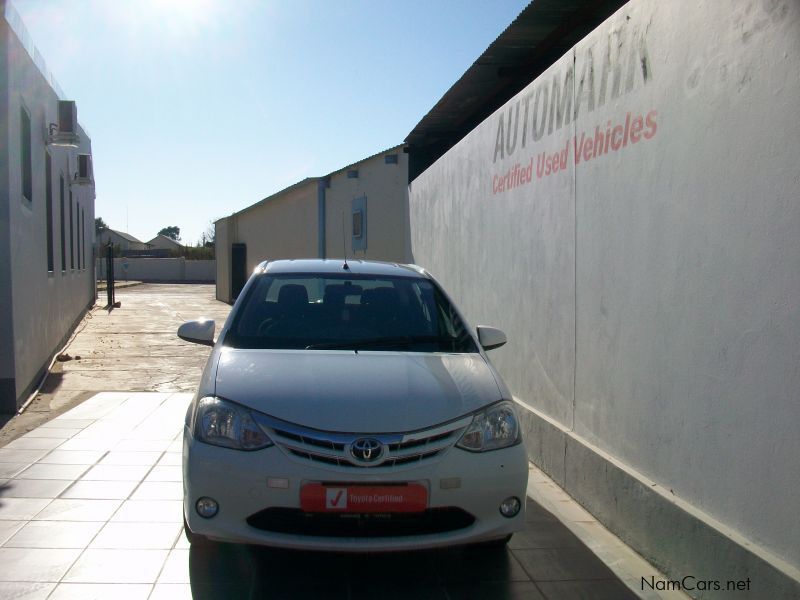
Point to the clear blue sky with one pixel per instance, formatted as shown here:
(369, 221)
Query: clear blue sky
(198, 108)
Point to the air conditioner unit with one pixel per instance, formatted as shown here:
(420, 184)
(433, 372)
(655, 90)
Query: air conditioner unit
(67, 117)
(84, 174)
(65, 132)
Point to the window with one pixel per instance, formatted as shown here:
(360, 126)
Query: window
(358, 209)
(71, 234)
(63, 230)
(363, 312)
(83, 229)
(78, 223)
(48, 195)
(25, 154)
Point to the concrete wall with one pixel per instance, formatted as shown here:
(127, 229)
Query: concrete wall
(44, 306)
(283, 227)
(650, 289)
(223, 236)
(200, 270)
(7, 369)
(384, 187)
(160, 269)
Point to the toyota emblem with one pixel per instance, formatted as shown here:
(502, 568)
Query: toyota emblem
(367, 450)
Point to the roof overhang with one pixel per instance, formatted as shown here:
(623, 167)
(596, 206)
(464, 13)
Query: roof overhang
(543, 32)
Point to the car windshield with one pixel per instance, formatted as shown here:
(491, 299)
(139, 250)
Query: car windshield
(347, 312)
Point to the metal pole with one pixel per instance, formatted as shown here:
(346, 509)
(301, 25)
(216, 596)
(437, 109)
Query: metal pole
(110, 275)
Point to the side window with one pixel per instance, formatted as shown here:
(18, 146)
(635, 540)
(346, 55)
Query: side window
(449, 321)
(63, 223)
(273, 295)
(255, 310)
(25, 154)
(358, 234)
(71, 234)
(78, 236)
(425, 307)
(48, 195)
(83, 229)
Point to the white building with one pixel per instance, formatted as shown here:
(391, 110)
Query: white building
(46, 215)
(360, 210)
(124, 241)
(630, 215)
(162, 242)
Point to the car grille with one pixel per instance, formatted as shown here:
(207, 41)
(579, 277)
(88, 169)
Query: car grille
(333, 448)
(295, 521)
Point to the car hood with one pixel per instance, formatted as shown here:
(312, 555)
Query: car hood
(365, 392)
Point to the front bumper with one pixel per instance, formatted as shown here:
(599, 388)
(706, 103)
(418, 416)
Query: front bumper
(238, 482)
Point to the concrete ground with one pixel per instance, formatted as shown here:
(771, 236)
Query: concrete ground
(90, 507)
(90, 495)
(131, 348)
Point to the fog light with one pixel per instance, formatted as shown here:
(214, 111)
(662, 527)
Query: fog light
(510, 507)
(206, 507)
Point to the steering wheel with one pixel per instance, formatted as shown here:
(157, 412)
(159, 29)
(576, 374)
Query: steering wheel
(282, 326)
(263, 328)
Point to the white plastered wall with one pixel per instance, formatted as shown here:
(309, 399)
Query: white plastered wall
(45, 305)
(385, 188)
(650, 292)
(285, 226)
(7, 370)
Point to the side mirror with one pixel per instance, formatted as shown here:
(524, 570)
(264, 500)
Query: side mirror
(490, 338)
(198, 332)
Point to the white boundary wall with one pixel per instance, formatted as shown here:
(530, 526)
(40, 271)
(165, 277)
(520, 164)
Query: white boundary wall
(160, 269)
(651, 289)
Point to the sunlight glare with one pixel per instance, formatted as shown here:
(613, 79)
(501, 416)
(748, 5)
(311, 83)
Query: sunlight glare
(187, 17)
(177, 20)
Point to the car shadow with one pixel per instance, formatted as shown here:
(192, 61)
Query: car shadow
(223, 571)
(4, 487)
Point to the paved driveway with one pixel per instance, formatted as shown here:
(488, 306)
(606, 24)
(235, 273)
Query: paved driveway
(90, 501)
(134, 347)
(131, 348)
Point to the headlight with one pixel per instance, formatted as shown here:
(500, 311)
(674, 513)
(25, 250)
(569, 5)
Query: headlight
(491, 429)
(222, 423)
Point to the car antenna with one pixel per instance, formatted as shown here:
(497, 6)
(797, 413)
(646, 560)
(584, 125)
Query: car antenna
(345, 266)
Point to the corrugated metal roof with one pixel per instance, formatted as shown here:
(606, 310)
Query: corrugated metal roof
(543, 32)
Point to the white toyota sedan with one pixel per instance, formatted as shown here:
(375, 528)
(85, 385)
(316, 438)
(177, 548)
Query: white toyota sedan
(347, 405)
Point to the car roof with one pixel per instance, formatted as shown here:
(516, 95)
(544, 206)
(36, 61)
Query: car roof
(336, 266)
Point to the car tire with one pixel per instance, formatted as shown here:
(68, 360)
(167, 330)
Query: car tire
(194, 539)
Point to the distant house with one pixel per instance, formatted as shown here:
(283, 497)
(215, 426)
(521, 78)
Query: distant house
(164, 243)
(125, 241)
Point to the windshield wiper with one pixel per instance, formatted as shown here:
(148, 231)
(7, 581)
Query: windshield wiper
(384, 341)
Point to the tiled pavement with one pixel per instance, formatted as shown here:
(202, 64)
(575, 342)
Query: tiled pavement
(90, 507)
